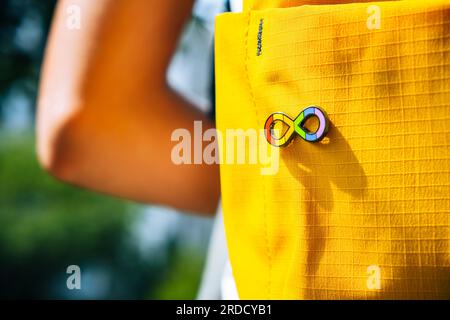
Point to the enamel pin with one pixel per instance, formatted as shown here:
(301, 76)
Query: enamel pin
(281, 138)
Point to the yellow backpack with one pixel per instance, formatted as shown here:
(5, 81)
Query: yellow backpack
(364, 213)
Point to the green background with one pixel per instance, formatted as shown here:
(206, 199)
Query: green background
(45, 225)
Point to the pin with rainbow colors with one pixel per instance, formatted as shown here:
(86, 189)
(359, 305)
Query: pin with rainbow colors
(282, 139)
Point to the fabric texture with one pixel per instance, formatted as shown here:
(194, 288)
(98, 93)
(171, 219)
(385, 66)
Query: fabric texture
(363, 214)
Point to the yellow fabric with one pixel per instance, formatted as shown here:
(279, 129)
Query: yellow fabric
(376, 192)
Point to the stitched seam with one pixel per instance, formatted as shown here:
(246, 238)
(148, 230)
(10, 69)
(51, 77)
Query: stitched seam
(247, 73)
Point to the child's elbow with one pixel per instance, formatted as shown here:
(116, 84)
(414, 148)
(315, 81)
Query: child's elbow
(55, 146)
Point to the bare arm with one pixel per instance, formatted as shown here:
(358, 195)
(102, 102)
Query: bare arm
(105, 114)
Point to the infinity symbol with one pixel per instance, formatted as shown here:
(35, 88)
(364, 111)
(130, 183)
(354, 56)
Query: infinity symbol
(296, 126)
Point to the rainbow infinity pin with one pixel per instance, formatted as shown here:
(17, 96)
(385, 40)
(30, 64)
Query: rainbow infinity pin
(296, 126)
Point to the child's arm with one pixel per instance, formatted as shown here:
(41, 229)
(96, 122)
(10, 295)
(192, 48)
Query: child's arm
(106, 115)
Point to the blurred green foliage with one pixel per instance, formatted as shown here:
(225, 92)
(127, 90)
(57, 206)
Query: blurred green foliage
(182, 279)
(24, 25)
(46, 226)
